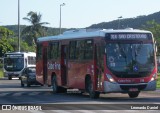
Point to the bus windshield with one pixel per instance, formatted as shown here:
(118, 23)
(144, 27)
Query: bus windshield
(13, 64)
(130, 60)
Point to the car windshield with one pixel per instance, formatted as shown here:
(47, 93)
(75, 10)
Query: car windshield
(124, 59)
(13, 64)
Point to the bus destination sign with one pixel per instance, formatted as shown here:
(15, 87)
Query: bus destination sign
(14, 55)
(128, 36)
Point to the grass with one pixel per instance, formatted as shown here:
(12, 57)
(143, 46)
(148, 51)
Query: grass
(1, 73)
(158, 81)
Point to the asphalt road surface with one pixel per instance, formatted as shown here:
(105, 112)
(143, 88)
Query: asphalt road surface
(35, 98)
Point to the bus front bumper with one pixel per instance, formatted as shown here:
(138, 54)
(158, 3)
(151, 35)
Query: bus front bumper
(124, 88)
(11, 74)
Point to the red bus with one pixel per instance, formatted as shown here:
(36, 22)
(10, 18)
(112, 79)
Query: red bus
(98, 61)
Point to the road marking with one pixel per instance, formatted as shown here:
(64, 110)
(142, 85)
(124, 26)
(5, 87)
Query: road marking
(34, 111)
(18, 94)
(87, 111)
(4, 94)
(60, 111)
(48, 93)
(34, 93)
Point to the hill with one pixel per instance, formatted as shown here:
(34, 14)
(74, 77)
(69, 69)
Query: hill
(135, 23)
(50, 31)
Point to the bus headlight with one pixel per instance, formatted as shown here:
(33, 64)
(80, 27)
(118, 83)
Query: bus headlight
(154, 77)
(110, 78)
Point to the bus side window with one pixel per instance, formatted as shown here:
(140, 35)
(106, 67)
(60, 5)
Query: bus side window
(89, 49)
(39, 51)
(72, 50)
(84, 49)
(54, 50)
(80, 49)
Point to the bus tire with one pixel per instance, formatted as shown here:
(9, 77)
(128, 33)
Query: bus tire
(93, 94)
(55, 87)
(133, 94)
(10, 78)
(28, 84)
(54, 84)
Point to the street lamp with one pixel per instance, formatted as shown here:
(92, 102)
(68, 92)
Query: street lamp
(119, 21)
(19, 25)
(60, 18)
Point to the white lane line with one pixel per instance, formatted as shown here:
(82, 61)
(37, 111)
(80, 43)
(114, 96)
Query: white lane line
(34, 93)
(34, 111)
(4, 94)
(18, 94)
(60, 111)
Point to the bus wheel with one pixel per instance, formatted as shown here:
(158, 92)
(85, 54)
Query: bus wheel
(54, 84)
(92, 93)
(133, 94)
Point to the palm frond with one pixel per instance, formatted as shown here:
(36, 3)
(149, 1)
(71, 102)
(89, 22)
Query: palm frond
(28, 19)
(36, 29)
(26, 30)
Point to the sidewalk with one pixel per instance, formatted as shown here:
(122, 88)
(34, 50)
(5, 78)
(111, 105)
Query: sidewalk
(157, 90)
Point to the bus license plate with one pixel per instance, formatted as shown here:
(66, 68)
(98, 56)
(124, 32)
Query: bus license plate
(133, 89)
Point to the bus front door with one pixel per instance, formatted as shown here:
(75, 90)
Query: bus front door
(45, 65)
(64, 63)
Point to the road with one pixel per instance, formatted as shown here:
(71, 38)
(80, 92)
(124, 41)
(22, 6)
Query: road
(11, 93)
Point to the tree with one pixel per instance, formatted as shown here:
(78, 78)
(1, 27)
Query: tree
(4, 32)
(36, 29)
(24, 45)
(5, 46)
(154, 27)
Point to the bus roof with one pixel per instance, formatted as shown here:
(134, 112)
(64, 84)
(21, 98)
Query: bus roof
(33, 53)
(83, 33)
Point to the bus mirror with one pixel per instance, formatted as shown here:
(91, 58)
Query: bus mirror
(155, 46)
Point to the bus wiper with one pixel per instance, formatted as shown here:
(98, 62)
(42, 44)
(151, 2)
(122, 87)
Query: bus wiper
(137, 49)
(122, 51)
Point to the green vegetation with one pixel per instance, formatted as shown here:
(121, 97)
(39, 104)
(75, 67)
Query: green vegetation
(1, 73)
(158, 81)
(1, 70)
(29, 34)
(35, 30)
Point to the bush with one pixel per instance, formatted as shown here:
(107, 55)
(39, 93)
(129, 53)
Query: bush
(1, 65)
(158, 81)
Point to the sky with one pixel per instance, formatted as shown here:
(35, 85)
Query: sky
(76, 13)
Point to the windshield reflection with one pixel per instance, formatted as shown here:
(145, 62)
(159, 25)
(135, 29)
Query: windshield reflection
(130, 58)
(13, 64)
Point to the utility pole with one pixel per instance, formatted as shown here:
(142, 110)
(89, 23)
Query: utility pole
(60, 18)
(19, 25)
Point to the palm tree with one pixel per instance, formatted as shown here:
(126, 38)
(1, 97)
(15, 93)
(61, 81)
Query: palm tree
(35, 29)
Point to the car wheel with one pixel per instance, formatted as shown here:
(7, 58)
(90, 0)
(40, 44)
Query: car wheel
(28, 84)
(22, 84)
(10, 78)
